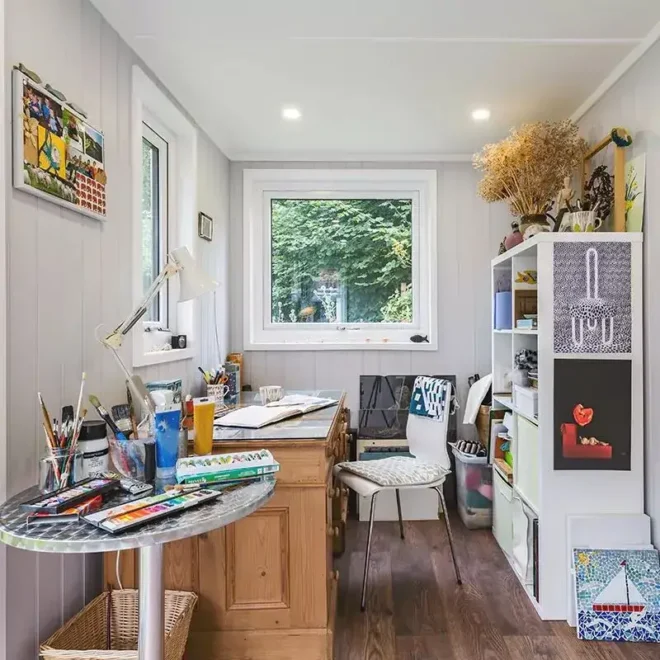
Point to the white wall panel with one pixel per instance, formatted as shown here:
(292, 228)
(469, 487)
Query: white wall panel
(469, 232)
(67, 274)
(633, 102)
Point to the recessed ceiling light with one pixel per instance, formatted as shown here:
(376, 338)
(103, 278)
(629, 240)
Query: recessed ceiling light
(481, 114)
(291, 113)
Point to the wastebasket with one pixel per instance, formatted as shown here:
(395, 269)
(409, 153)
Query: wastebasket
(474, 486)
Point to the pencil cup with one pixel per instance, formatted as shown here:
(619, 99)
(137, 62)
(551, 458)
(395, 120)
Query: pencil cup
(218, 394)
(59, 469)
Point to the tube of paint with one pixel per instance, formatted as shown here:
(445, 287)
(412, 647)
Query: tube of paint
(166, 431)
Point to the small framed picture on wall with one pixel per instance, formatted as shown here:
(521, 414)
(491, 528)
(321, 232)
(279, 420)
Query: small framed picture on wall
(205, 227)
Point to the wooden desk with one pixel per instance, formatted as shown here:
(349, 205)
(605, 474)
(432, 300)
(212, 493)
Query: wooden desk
(266, 584)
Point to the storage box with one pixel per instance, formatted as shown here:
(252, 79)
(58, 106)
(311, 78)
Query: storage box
(474, 487)
(88, 630)
(526, 400)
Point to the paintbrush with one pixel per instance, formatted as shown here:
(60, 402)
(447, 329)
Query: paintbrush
(131, 407)
(80, 396)
(48, 427)
(73, 447)
(105, 416)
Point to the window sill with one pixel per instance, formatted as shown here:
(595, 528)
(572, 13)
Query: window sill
(340, 346)
(162, 357)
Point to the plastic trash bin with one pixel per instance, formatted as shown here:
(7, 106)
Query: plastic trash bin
(474, 486)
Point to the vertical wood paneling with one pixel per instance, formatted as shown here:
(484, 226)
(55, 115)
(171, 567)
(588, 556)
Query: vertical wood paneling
(467, 228)
(633, 103)
(68, 274)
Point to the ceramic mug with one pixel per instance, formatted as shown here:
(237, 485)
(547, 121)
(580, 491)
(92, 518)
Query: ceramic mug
(583, 221)
(270, 393)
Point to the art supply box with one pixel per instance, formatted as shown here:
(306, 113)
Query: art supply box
(226, 467)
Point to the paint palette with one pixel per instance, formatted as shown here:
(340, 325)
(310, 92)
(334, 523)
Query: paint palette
(66, 498)
(147, 509)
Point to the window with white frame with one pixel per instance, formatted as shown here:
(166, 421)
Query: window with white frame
(340, 258)
(154, 220)
(164, 159)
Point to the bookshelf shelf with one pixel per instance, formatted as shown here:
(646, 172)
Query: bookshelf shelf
(535, 496)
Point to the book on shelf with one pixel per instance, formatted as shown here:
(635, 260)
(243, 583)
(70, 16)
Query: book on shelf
(292, 405)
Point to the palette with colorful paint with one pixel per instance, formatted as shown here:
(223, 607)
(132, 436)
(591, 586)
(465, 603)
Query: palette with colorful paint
(147, 509)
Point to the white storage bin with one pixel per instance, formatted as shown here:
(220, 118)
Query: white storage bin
(502, 513)
(526, 400)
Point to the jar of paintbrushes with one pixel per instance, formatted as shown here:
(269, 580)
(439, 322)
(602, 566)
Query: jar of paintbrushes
(59, 468)
(62, 464)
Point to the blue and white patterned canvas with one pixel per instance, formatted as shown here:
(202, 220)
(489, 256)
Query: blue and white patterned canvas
(618, 595)
(429, 398)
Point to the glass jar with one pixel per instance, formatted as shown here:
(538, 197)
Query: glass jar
(59, 468)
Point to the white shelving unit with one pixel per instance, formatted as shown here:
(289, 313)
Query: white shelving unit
(538, 492)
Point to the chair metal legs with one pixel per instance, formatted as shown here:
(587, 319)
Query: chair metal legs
(363, 601)
(443, 504)
(398, 506)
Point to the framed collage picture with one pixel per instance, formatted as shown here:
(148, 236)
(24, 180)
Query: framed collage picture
(58, 155)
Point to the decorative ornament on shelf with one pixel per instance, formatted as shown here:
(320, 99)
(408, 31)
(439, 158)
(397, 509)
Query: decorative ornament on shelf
(599, 193)
(528, 168)
(514, 238)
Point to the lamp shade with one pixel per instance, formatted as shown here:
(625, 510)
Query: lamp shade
(193, 281)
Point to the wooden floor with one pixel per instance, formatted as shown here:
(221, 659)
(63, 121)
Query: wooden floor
(416, 611)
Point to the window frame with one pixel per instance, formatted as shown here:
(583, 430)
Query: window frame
(161, 145)
(151, 106)
(260, 187)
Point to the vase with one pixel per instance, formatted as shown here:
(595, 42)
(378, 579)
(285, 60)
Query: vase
(514, 238)
(533, 224)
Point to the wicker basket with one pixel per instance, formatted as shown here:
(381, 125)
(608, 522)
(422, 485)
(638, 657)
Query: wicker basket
(87, 632)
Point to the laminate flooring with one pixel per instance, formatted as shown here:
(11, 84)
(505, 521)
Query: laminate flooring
(416, 611)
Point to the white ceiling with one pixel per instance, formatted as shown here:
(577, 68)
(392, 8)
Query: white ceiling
(380, 78)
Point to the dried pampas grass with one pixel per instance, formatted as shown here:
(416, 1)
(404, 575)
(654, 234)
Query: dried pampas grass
(528, 167)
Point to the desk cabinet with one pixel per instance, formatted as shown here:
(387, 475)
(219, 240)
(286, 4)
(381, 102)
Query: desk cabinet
(266, 584)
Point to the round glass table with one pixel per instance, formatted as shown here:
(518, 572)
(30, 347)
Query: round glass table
(79, 537)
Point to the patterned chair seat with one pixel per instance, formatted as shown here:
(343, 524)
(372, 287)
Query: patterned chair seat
(396, 471)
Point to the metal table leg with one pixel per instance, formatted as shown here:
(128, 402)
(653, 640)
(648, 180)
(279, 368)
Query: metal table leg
(152, 633)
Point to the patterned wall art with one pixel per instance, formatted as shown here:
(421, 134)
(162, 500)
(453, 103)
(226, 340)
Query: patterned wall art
(592, 299)
(58, 155)
(593, 414)
(618, 595)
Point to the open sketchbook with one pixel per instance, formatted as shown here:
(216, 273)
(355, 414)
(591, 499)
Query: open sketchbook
(254, 417)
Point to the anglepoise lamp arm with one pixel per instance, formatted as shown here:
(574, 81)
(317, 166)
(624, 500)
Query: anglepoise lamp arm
(194, 282)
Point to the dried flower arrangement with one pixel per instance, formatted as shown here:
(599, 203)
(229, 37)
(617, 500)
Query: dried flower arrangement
(528, 167)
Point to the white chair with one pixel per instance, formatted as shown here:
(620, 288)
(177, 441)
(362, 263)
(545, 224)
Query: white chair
(427, 439)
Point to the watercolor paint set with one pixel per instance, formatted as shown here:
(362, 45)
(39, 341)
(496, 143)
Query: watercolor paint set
(72, 514)
(66, 498)
(147, 509)
(226, 467)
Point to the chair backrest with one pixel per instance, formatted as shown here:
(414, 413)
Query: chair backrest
(427, 437)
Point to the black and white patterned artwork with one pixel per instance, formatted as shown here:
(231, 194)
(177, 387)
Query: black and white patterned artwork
(592, 306)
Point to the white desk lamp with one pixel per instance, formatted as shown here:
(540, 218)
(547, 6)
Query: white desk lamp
(193, 282)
